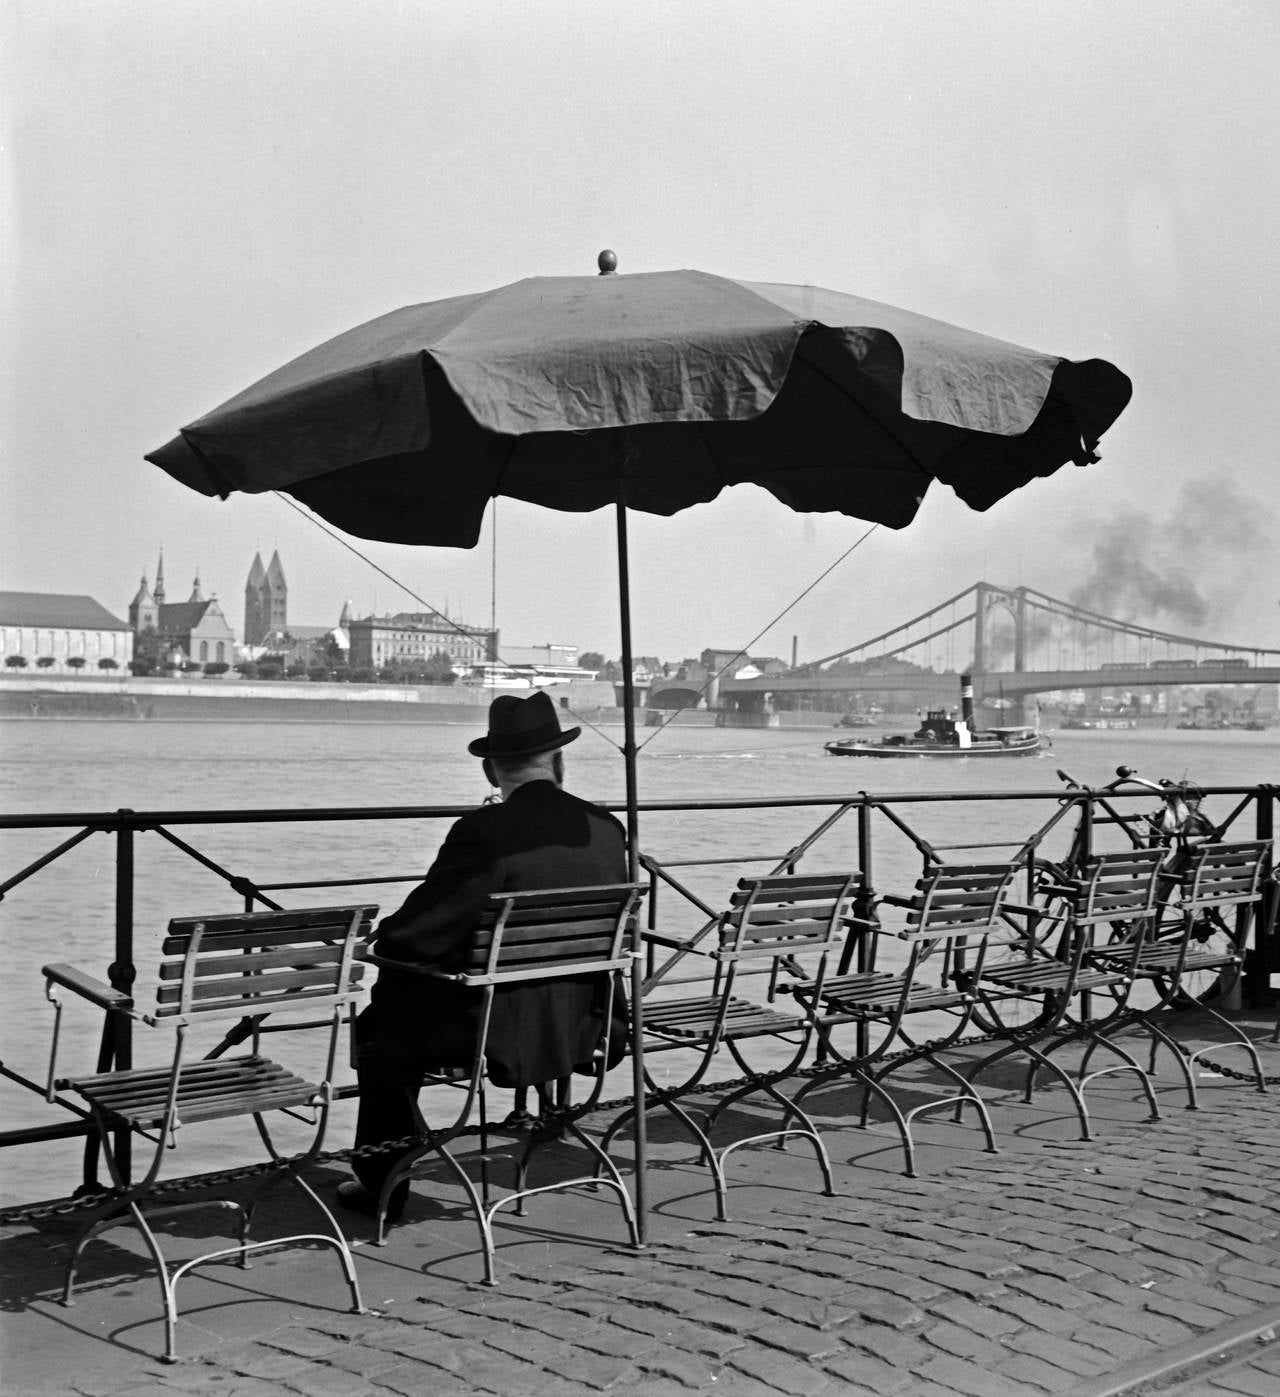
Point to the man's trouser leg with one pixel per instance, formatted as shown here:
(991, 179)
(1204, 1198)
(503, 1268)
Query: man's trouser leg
(388, 1092)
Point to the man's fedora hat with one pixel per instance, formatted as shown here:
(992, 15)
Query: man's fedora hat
(521, 728)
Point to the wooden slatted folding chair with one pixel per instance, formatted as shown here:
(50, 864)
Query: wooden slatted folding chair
(521, 938)
(1194, 937)
(949, 919)
(1053, 968)
(770, 925)
(214, 969)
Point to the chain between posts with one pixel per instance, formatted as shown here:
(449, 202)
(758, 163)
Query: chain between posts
(36, 1212)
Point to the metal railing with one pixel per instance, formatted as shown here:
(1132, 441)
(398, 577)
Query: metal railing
(1088, 812)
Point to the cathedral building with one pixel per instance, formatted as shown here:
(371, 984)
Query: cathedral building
(192, 630)
(268, 630)
(266, 601)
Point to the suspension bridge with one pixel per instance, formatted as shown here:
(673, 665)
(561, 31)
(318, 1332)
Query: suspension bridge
(1016, 642)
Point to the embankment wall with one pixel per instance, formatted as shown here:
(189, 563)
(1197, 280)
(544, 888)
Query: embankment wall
(264, 701)
(294, 701)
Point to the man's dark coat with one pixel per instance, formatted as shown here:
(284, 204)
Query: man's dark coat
(539, 837)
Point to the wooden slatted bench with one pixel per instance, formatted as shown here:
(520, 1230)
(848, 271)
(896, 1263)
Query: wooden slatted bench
(243, 967)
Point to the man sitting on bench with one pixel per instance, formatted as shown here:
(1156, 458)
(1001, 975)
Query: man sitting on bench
(539, 836)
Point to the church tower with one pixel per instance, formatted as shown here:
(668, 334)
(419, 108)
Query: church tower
(160, 581)
(143, 611)
(277, 596)
(255, 609)
(266, 600)
(195, 590)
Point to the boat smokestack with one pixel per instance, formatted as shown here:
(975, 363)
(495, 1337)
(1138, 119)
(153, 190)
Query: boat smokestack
(966, 699)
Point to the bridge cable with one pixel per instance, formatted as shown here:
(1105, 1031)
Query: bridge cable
(676, 712)
(404, 587)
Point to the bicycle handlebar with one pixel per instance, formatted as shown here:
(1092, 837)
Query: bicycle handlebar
(1125, 775)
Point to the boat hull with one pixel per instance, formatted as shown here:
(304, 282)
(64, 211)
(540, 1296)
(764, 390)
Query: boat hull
(924, 749)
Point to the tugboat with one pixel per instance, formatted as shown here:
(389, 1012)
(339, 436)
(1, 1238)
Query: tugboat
(943, 735)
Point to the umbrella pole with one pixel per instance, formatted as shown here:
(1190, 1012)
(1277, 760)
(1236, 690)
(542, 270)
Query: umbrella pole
(628, 699)
(633, 871)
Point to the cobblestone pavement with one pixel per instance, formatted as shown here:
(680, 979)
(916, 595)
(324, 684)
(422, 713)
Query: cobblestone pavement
(1144, 1262)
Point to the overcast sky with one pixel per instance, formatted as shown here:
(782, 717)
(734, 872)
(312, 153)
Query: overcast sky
(197, 190)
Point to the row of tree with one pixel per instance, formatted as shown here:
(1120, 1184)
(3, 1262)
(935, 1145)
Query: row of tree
(47, 661)
(437, 670)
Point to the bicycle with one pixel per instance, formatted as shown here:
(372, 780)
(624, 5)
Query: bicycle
(1178, 825)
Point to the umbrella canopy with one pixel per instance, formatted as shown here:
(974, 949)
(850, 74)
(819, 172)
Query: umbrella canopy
(655, 390)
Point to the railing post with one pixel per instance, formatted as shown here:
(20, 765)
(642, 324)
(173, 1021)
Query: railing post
(863, 903)
(1086, 851)
(117, 1032)
(651, 916)
(863, 907)
(1265, 956)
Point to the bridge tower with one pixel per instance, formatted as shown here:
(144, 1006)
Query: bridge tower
(980, 627)
(986, 598)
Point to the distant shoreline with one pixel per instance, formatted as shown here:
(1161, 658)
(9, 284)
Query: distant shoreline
(163, 701)
(91, 699)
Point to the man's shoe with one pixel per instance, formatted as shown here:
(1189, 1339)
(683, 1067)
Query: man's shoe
(352, 1194)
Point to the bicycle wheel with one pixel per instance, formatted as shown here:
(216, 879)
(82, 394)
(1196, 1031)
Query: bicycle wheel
(1012, 1013)
(1209, 934)
(997, 1012)
(1119, 943)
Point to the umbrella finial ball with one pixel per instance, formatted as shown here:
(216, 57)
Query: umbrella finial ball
(607, 262)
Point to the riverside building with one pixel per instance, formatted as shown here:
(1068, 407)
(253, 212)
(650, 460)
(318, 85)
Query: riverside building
(50, 629)
(413, 637)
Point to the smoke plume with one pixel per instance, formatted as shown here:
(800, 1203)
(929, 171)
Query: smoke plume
(1174, 571)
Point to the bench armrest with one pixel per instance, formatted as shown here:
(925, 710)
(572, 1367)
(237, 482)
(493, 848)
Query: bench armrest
(675, 943)
(409, 967)
(97, 991)
(1044, 913)
(1048, 886)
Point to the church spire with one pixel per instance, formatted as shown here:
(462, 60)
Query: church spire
(159, 592)
(195, 590)
(277, 595)
(142, 609)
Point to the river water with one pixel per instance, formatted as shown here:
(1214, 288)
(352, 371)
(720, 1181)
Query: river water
(66, 911)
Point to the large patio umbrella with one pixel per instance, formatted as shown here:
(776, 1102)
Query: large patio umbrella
(653, 392)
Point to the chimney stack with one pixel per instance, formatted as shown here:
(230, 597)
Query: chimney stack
(966, 699)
